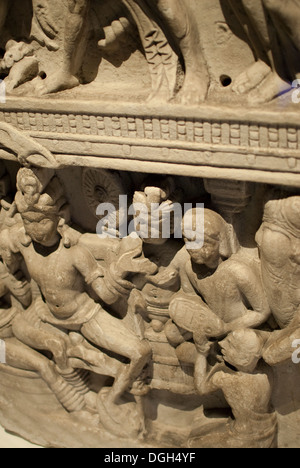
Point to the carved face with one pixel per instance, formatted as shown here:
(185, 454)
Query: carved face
(42, 230)
(241, 349)
(208, 254)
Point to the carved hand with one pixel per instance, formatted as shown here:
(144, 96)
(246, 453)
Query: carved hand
(192, 314)
(164, 278)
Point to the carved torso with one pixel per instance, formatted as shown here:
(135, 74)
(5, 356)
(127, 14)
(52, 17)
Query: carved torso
(281, 273)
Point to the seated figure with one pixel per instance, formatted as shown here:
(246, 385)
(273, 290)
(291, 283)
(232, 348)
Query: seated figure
(220, 292)
(247, 386)
(65, 272)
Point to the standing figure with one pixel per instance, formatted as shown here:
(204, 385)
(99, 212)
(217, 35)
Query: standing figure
(176, 17)
(272, 28)
(278, 240)
(180, 21)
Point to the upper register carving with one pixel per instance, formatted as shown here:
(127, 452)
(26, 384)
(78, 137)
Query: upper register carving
(152, 107)
(170, 34)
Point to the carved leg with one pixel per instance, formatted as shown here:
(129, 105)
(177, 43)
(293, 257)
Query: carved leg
(288, 12)
(250, 14)
(185, 29)
(40, 339)
(22, 357)
(109, 333)
(65, 78)
(278, 348)
(264, 83)
(83, 355)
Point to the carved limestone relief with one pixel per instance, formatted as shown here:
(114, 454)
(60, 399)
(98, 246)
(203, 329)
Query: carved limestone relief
(149, 223)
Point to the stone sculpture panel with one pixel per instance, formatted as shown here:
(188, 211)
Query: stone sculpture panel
(149, 223)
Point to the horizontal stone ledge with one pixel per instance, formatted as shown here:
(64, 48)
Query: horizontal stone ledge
(90, 142)
(173, 168)
(268, 114)
(151, 167)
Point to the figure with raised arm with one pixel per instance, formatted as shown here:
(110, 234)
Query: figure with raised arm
(246, 382)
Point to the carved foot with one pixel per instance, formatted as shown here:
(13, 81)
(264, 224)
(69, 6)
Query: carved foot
(271, 88)
(121, 420)
(56, 82)
(251, 77)
(192, 93)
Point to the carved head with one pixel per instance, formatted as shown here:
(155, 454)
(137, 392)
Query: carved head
(215, 243)
(242, 349)
(42, 205)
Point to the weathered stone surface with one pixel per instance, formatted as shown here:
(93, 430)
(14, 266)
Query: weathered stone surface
(149, 224)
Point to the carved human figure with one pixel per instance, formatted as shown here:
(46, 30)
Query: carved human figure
(278, 240)
(16, 295)
(64, 271)
(240, 301)
(219, 292)
(176, 17)
(65, 78)
(272, 28)
(21, 356)
(180, 20)
(157, 198)
(247, 388)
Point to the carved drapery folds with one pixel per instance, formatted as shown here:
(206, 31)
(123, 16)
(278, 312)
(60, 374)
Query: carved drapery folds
(149, 265)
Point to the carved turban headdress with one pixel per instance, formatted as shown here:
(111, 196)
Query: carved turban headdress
(40, 195)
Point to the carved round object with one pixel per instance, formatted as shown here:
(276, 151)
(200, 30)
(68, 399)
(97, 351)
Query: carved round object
(102, 186)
